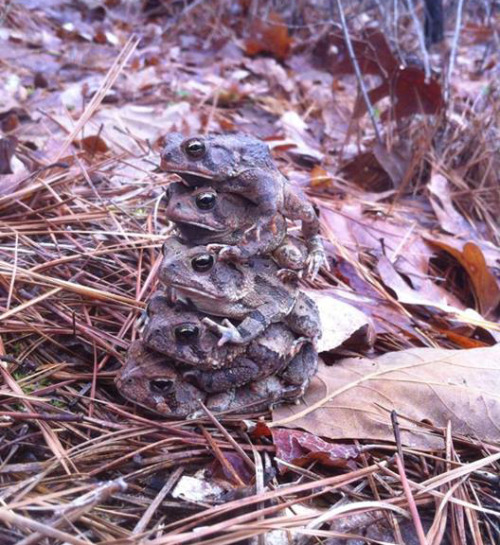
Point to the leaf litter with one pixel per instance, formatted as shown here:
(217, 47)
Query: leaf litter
(410, 305)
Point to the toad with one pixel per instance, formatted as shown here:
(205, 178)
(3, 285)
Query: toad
(242, 164)
(206, 216)
(178, 332)
(150, 380)
(250, 292)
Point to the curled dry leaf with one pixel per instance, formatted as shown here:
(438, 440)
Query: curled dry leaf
(486, 289)
(300, 448)
(354, 398)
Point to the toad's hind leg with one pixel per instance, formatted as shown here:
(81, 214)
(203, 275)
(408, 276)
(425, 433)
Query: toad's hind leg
(302, 367)
(242, 371)
(304, 318)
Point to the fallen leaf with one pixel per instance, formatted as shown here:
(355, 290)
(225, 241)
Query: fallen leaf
(427, 293)
(269, 36)
(407, 86)
(339, 322)
(486, 289)
(394, 161)
(378, 169)
(301, 448)
(94, 144)
(295, 128)
(410, 94)
(371, 49)
(320, 178)
(238, 464)
(449, 218)
(197, 490)
(366, 172)
(354, 398)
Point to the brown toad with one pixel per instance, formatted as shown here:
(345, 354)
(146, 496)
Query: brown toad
(150, 380)
(178, 332)
(242, 164)
(251, 292)
(205, 216)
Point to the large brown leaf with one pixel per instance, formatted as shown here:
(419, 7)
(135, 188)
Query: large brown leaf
(354, 398)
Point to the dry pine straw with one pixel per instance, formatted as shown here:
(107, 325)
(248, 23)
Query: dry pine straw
(75, 273)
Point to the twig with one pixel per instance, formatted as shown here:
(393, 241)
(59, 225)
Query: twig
(41, 416)
(357, 69)
(223, 430)
(421, 40)
(150, 511)
(110, 78)
(411, 502)
(453, 54)
(8, 517)
(399, 457)
(79, 507)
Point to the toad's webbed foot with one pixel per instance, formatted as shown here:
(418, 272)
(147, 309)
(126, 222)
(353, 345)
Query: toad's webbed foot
(228, 332)
(316, 258)
(252, 233)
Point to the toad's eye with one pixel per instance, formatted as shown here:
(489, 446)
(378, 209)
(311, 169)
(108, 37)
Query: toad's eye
(161, 386)
(202, 263)
(195, 148)
(205, 201)
(186, 333)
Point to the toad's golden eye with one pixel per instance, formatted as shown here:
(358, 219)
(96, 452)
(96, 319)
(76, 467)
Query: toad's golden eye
(161, 386)
(186, 333)
(195, 148)
(205, 201)
(202, 263)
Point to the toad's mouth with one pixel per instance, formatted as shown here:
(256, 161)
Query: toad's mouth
(194, 230)
(191, 290)
(190, 178)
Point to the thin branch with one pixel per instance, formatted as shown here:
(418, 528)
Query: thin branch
(421, 40)
(456, 35)
(357, 69)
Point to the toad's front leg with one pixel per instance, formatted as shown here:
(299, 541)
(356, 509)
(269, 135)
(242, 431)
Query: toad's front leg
(297, 207)
(249, 329)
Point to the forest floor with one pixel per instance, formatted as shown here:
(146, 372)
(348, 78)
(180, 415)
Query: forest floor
(408, 195)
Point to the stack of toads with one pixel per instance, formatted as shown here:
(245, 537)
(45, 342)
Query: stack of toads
(231, 327)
